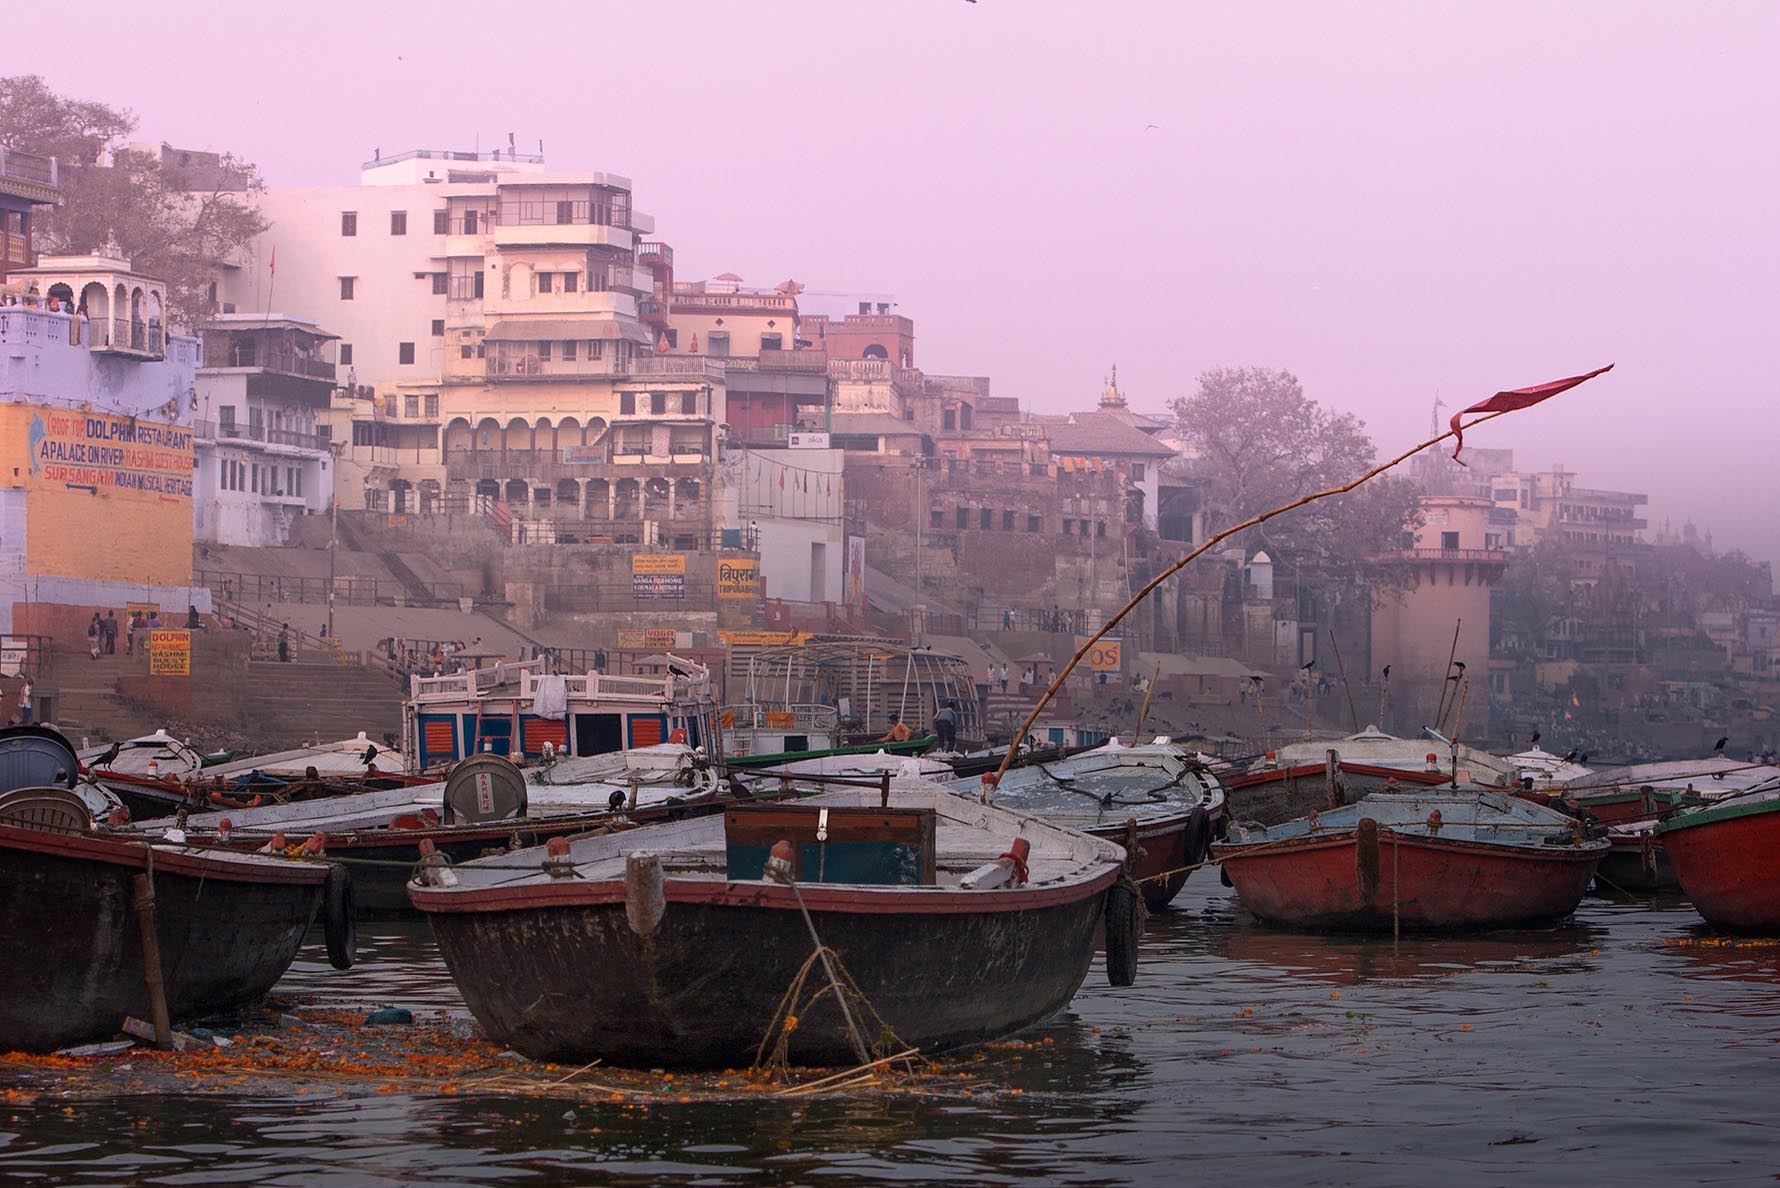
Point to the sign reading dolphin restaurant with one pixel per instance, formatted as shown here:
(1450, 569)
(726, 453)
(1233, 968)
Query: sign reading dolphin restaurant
(105, 452)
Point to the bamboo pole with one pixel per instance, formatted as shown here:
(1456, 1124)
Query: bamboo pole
(1440, 714)
(144, 888)
(1341, 668)
(1215, 539)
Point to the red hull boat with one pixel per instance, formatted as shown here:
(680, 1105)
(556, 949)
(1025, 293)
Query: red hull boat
(1418, 861)
(1726, 857)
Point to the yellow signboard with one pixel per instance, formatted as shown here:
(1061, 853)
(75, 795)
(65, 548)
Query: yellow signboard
(170, 653)
(738, 577)
(635, 639)
(1105, 656)
(763, 639)
(658, 563)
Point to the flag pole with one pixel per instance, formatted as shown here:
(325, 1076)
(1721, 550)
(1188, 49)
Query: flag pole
(1218, 538)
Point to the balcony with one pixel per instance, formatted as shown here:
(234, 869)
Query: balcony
(656, 256)
(651, 310)
(1483, 556)
(520, 235)
(280, 362)
(230, 432)
(693, 302)
(700, 368)
(121, 336)
(24, 175)
(526, 365)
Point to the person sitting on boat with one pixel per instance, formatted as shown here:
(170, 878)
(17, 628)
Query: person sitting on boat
(898, 732)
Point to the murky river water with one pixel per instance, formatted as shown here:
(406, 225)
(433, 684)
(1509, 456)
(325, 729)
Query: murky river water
(1628, 1047)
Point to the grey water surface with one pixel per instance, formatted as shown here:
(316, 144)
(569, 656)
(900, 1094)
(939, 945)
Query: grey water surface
(1629, 1045)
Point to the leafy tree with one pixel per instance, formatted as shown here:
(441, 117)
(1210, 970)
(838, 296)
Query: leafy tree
(176, 222)
(1257, 442)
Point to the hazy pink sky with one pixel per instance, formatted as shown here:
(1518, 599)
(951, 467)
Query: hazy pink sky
(1389, 200)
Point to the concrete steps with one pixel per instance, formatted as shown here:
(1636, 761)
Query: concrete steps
(332, 701)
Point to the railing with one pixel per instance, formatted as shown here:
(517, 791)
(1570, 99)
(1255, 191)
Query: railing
(690, 301)
(218, 431)
(814, 362)
(658, 251)
(699, 367)
(649, 307)
(288, 362)
(447, 155)
(524, 365)
(250, 588)
(1492, 556)
(125, 334)
(29, 167)
(859, 370)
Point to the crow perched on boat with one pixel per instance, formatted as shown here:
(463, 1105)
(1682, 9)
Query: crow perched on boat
(1387, 672)
(1535, 738)
(107, 758)
(370, 754)
(1718, 747)
(614, 802)
(1571, 757)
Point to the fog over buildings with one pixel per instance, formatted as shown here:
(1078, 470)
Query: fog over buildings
(1396, 202)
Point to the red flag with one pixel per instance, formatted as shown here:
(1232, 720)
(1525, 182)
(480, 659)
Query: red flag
(1516, 398)
(661, 342)
(693, 348)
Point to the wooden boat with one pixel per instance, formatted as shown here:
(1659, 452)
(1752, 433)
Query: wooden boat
(1154, 799)
(520, 711)
(1637, 859)
(1423, 860)
(380, 834)
(1725, 858)
(92, 920)
(1645, 791)
(668, 946)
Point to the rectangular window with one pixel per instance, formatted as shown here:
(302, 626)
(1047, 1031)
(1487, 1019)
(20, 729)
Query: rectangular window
(398, 222)
(478, 285)
(256, 478)
(347, 285)
(627, 404)
(438, 327)
(1034, 524)
(469, 222)
(346, 354)
(568, 352)
(404, 352)
(771, 342)
(438, 284)
(1449, 540)
(297, 484)
(411, 406)
(441, 222)
(986, 520)
(466, 351)
(225, 416)
(717, 344)
(544, 351)
(937, 518)
(595, 348)
(432, 406)
(1007, 520)
(658, 403)
(349, 222)
(1137, 472)
(689, 402)
(544, 281)
(570, 281)
(565, 212)
(964, 517)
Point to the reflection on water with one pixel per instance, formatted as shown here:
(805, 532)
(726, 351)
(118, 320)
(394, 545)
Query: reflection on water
(1628, 1045)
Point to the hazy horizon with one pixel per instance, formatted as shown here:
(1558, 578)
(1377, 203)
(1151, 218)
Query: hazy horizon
(1395, 202)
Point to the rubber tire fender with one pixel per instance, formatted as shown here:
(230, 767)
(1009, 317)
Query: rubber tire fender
(1122, 925)
(1198, 836)
(340, 918)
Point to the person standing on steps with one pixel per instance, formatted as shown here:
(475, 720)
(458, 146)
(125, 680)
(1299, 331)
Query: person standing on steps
(284, 643)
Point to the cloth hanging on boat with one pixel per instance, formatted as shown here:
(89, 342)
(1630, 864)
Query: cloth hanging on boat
(550, 698)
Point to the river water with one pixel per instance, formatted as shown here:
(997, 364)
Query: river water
(1628, 1046)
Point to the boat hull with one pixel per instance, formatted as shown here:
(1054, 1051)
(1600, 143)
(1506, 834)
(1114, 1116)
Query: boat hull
(571, 981)
(226, 928)
(1161, 851)
(1419, 882)
(1724, 859)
